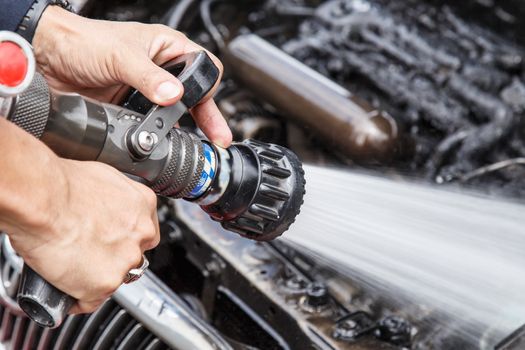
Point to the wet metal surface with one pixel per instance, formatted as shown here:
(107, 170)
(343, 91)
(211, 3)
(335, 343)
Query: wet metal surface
(298, 312)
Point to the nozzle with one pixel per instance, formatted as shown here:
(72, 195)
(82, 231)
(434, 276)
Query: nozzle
(264, 193)
(252, 188)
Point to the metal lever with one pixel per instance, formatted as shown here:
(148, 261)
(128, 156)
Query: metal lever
(156, 126)
(44, 303)
(198, 74)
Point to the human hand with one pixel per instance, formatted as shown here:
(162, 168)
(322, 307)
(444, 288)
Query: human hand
(99, 59)
(81, 225)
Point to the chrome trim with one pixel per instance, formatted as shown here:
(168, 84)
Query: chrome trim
(91, 326)
(164, 313)
(10, 271)
(6, 105)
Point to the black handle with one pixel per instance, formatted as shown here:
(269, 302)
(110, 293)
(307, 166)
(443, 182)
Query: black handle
(42, 302)
(197, 73)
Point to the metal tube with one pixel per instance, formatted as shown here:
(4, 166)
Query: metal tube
(6, 104)
(76, 127)
(165, 314)
(310, 99)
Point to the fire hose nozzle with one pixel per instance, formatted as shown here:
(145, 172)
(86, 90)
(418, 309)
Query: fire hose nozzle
(252, 188)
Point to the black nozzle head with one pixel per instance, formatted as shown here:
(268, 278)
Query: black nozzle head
(265, 192)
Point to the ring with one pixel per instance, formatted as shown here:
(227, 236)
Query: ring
(135, 274)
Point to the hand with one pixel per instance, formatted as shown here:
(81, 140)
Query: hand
(99, 59)
(104, 222)
(81, 225)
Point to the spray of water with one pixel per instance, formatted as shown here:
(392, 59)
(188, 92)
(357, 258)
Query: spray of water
(462, 255)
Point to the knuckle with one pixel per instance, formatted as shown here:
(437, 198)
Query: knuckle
(180, 35)
(146, 201)
(167, 33)
(170, 34)
(149, 232)
(136, 198)
(152, 240)
(156, 240)
(87, 308)
(160, 28)
(151, 198)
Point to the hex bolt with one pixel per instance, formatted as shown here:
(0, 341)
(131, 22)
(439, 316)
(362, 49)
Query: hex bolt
(347, 330)
(214, 267)
(146, 141)
(395, 330)
(295, 283)
(317, 295)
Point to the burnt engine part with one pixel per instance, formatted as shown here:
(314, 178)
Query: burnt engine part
(446, 72)
(455, 88)
(298, 92)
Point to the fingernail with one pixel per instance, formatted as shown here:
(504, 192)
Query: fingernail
(221, 143)
(167, 91)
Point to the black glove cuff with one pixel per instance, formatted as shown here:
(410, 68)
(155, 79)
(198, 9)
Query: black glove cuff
(27, 27)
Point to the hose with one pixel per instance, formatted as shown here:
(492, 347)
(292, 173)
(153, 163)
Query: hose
(177, 13)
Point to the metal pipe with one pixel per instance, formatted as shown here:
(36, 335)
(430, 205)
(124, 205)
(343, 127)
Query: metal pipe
(177, 13)
(6, 104)
(164, 313)
(310, 99)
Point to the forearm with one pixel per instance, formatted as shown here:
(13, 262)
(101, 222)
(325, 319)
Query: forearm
(30, 178)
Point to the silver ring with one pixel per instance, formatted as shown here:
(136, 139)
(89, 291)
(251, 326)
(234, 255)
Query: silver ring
(135, 274)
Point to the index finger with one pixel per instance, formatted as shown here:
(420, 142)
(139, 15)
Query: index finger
(206, 115)
(211, 121)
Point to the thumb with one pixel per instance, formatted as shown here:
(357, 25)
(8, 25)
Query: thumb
(152, 81)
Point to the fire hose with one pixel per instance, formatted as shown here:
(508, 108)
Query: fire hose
(252, 188)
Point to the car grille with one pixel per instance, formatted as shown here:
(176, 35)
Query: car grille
(110, 327)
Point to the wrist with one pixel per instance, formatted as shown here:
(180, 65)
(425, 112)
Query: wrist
(33, 185)
(30, 21)
(56, 27)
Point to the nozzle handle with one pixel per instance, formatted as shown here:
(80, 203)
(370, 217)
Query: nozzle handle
(196, 71)
(41, 301)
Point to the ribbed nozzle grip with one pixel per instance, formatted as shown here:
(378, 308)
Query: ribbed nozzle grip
(32, 107)
(184, 168)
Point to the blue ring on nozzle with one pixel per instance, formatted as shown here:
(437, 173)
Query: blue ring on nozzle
(208, 172)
